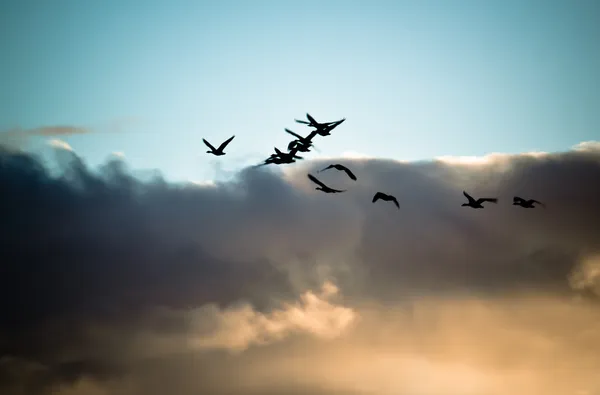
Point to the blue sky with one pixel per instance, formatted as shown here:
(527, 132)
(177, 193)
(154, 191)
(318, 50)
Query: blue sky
(415, 79)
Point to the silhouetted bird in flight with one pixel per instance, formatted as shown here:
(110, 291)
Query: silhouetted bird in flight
(299, 146)
(519, 201)
(281, 158)
(322, 128)
(291, 154)
(386, 197)
(323, 187)
(303, 144)
(477, 203)
(217, 151)
(339, 167)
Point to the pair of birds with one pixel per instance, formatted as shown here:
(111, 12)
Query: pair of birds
(517, 201)
(327, 189)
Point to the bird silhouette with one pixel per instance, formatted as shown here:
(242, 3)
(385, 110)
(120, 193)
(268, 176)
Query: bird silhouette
(519, 201)
(322, 128)
(323, 187)
(303, 143)
(291, 154)
(477, 203)
(217, 151)
(339, 167)
(386, 197)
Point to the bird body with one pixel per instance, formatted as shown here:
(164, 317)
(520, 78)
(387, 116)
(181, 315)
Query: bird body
(323, 187)
(386, 197)
(340, 167)
(217, 151)
(519, 201)
(477, 203)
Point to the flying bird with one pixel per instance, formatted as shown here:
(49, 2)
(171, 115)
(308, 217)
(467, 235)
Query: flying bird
(323, 187)
(519, 201)
(281, 158)
(217, 151)
(291, 154)
(477, 203)
(302, 143)
(322, 128)
(386, 197)
(339, 167)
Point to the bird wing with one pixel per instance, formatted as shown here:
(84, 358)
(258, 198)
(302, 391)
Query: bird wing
(378, 196)
(337, 190)
(518, 199)
(292, 144)
(491, 200)
(471, 200)
(222, 146)
(395, 202)
(316, 181)
(350, 174)
(328, 167)
(311, 119)
(294, 134)
(311, 135)
(301, 121)
(209, 145)
(538, 202)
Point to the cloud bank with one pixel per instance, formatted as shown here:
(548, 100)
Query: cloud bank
(262, 285)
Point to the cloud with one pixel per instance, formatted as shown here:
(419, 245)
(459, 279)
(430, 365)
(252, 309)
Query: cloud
(56, 143)
(18, 137)
(115, 285)
(238, 328)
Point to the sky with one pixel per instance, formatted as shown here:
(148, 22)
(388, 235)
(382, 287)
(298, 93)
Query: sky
(415, 79)
(134, 263)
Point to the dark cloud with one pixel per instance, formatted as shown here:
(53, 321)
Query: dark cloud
(106, 277)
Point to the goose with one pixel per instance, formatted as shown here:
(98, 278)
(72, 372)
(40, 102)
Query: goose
(477, 203)
(217, 151)
(322, 128)
(323, 187)
(339, 167)
(519, 201)
(386, 197)
(307, 141)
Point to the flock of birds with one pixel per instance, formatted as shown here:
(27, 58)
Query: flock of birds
(303, 144)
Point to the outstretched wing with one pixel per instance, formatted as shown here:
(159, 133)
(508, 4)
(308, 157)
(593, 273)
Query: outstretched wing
(316, 181)
(294, 134)
(538, 202)
(518, 199)
(378, 195)
(491, 200)
(222, 146)
(337, 190)
(209, 145)
(471, 200)
(396, 202)
(301, 121)
(327, 168)
(350, 174)
(311, 119)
